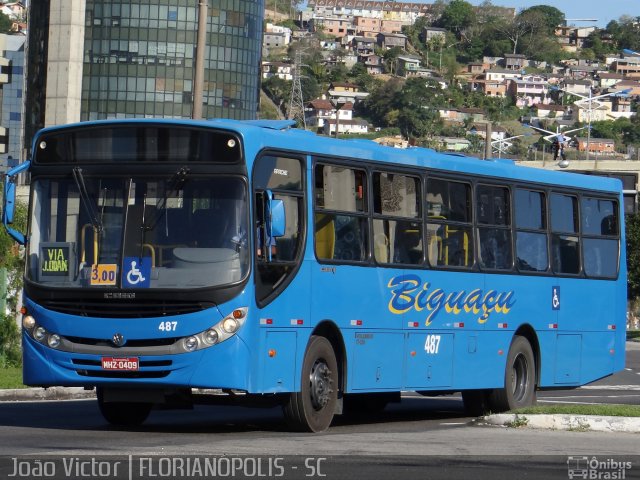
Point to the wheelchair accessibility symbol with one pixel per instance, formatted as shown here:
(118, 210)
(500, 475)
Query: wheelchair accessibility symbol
(136, 272)
(555, 298)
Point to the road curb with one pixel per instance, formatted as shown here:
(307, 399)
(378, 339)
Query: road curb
(51, 393)
(564, 422)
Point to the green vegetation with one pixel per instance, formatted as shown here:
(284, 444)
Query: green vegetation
(599, 410)
(5, 23)
(518, 422)
(633, 334)
(633, 255)
(10, 353)
(11, 377)
(12, 260)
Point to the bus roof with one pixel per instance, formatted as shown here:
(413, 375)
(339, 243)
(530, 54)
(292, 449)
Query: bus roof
(278, 134)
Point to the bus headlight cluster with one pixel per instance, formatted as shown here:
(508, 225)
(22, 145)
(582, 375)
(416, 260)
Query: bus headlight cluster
(39, 333)
(221, 331)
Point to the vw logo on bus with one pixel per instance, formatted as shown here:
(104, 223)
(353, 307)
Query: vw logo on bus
(117, 339)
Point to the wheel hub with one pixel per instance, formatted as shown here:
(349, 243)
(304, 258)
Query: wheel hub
(321, 385)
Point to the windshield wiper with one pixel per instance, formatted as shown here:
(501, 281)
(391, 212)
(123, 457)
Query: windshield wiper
(175, 184)
(95, 220)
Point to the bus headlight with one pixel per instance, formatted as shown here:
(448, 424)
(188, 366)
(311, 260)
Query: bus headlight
(54, 341)
(221, 331)
(39, 333)
(190, 343)
(28, 322)
(211, 336)
(230, 325)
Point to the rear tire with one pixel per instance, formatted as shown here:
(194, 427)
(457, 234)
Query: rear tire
(519, 379)
(124, 414)
(312, 409)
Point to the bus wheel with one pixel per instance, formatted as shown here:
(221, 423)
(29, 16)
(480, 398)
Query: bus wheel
(519, 379)
(312, 408)
(125, 414)
(476, 402)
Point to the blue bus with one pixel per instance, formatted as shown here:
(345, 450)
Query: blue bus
(175, 262)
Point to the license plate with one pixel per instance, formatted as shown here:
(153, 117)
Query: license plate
(127, 364)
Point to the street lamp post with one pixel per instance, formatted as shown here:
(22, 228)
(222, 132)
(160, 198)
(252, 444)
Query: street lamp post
(590, 100)
(501, 142)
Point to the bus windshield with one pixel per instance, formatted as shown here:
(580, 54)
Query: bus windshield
(175, 232)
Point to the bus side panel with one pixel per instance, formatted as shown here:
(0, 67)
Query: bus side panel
(285, 325)
(376, 360)
(587, 312)
(356, 300)
(429, 360)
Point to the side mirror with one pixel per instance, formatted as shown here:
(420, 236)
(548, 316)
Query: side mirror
(9, 202)
(276, 219)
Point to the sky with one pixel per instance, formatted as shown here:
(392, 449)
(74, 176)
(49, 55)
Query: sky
(602, 10)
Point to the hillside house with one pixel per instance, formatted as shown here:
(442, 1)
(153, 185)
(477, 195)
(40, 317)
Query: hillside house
(596, 145)
(354, 126)
(515, 61)
(388, 41)
(317, 112)
(277, 69)
(529, 90)
(628, 66)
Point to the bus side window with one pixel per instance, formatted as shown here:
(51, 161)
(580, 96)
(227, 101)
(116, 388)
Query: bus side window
(341, 222)
(494, 227)
(531, 231)
(449, 229)
(600, 242)
(565, 243)
(397, 225)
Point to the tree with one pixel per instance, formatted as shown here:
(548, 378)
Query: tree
(5, 23)
(381, 101)
(390, 58)
(550, 17)
(522, 24)
(633, 256)
(278, 90)
(457, 16)
(12, 260)
(418, 102)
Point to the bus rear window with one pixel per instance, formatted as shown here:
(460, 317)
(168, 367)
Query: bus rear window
(131, 143)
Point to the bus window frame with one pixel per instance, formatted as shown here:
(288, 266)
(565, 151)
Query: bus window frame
(509, 227)
(365, 215)
(589, 236)
(301, 197)
(419, 218)
(469, 181)
(545, 230)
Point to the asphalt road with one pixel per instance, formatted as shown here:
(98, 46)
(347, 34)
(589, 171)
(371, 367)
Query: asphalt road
(420, 438)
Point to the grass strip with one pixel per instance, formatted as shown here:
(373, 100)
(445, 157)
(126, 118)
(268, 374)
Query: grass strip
(599, 410)
(11, 377)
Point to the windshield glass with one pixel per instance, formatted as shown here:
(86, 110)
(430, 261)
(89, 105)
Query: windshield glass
(178, 232)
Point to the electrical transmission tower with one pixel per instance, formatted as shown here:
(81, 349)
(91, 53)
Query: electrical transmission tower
(296, 103)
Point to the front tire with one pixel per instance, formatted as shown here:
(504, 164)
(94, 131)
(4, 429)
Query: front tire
(123, 414)
(519, 379)
(312, 409)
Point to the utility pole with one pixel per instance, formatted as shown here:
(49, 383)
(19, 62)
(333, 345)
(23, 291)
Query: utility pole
(198, 78)
(296, 102)
(487, 143)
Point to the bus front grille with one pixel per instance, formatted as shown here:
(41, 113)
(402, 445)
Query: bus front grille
(133, 309)
(138, 374)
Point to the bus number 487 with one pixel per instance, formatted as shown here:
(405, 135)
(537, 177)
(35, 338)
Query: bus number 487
(431, 344)
(167, 326)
